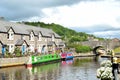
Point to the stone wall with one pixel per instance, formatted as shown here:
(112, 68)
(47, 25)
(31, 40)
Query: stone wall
(4, 62)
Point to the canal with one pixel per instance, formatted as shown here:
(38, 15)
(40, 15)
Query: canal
(82, 68)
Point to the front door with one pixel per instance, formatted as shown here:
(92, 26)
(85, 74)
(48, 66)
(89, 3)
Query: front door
(23, 49)
(43, 49)
(3, 50)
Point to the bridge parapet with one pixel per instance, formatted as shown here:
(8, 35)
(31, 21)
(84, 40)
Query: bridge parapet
(106, 44)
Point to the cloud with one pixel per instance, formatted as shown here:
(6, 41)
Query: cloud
(84, 14)
(23, 9)
(91, 16)
(107, 34)
(92, 29)
(104, 31)
(27, 9)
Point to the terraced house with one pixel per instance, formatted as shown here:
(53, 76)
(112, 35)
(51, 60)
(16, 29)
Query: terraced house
(27, 38)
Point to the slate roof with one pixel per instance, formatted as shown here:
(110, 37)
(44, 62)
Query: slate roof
(50, 43)
(19, 42)
(25, 29)
(1, 43)
(61, 43)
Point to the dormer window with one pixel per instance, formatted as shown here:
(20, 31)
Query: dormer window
(45, 39)
(31, 36)
(53, 38)
(10, 34)
(23, 37)
(39, 37)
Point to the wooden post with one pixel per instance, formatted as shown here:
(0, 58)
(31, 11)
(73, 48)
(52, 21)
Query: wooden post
(29, 63)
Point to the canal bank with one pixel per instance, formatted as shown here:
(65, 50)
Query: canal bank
(32, 60)
(29, 60)
(84, 55)
(8, 62)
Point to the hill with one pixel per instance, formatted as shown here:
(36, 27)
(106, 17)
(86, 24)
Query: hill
(68, 35)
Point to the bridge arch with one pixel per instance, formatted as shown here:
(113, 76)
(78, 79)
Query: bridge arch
(95, 50)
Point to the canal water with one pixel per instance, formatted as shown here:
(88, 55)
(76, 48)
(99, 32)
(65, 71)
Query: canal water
(82, 68)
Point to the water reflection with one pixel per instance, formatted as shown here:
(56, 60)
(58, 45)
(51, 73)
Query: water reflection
(76, 69)
(81, 69)
(67, 62)
(44, 72)
(13, 73)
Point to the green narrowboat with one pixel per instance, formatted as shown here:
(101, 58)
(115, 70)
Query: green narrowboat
(42, 59)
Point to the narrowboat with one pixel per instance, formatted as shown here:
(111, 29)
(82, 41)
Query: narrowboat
(42, 59)
(66, 55)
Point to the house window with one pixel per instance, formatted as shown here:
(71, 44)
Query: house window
(53, 38)
(10, 35)
(49, 39)
(45, 39)
(11, 48)
(22, 37)
(57, 40)
(39, 48)
(31, 36)
(32, 48)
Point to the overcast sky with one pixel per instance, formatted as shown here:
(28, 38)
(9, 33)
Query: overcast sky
(98, 17)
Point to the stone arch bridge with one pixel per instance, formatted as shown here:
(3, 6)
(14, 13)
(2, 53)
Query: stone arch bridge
(106, 44)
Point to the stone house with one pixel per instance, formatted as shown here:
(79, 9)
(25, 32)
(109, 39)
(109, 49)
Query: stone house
(28, 38)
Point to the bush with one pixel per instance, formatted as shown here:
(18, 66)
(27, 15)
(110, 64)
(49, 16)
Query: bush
(105, 71)
(79, 48)
(83, 49)
(17, 52)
